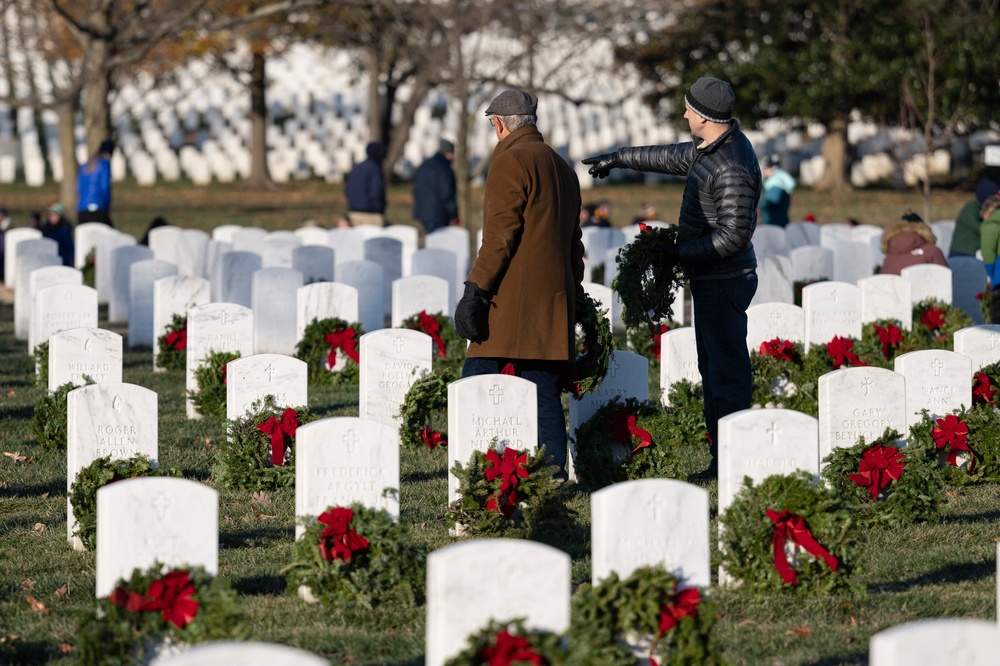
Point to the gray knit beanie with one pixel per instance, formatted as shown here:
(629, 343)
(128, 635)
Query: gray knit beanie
(712, 99)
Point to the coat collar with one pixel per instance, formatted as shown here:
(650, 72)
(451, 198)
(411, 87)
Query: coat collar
(526, 134)
(734, 127)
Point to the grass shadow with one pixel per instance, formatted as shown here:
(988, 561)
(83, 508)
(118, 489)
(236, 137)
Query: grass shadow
(952, 573)
(969, 518)
(260, 585)
(252, 538)
(425, 475)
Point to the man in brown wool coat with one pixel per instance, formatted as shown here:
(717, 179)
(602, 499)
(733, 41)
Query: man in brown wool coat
(519, 300)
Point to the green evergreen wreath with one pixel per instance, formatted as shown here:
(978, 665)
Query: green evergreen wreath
(602, 459)
(983, 422)
(245, 461)
(518, 644)
(89, 269)
(636, 609)
(315, 351)
(210, 398)
(454, 345)
(48, 424)
(799, 285)
(390, 569)
(173, 355)
(985, 297)
(540, 512)
(779, 376)
(96, 475)
(595, 348)
(915, 496)
(746, 535)
(935, 323)
(426, 404)
(645, 282)
(41, 355)
(114, 635)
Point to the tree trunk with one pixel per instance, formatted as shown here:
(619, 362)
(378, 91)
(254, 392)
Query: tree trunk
(96, 88)
(374, 107)
(463, 191)
(401, 131)
(835, 157)
(67, 145)
(260, 175)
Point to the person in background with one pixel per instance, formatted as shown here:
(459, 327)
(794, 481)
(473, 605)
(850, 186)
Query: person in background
(59, 229)
(155, 224)
(519, 304)
(93, 186)
(777, 196)
(966, 238)
(596, 216)
(603, 213)
(434, 195)
(990, 245)
(909, 242)
(647, 213)
(365, 188)
(587, 215)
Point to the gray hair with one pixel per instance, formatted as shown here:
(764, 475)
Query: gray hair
(517, 122)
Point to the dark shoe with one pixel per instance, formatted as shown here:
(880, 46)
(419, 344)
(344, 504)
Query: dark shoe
(711, 473)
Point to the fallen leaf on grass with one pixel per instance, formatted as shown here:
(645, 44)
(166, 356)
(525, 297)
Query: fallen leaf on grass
(847, 639)
(16, 456)
(748, 623)
(951, 493)
(44, 495)
(36, 605)
(261, 498)
(62, 591)
(263, 516)
(27, 584)
(39, 527)
(65, 648)
(11, 393)
(229, 520)
(801, 632)
(854, 622)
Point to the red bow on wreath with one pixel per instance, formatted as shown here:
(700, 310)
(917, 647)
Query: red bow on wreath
(429, 325)
(509, 369)
(955, 434)
(791, 526)
(623, 428)
(281, 433)
(878, 466)
(840, 352)
(983, 390)
(507, 650)
(432, 438)
(644, 227)
(511, 469)
(654, 346)
(338, 540)
(933, 318)
(685, 604)
(177, 340)
(782, 350)
(225, 372)
(170, 594)
(344, 340)
(889, 337)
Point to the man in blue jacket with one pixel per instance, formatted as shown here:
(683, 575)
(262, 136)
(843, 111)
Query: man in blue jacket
(717, 219)
(434, 202)
(365, 189)
(93, 186)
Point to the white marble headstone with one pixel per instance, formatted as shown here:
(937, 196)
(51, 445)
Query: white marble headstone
(12, 238)
(23, 304)
(64, 307)
(802, 233)
(936, 641)
(234, 276)
(346, 459)
(253, 378)
(347, 244)
(391, 360)
(678, 360)
(43, 278)
(215, 327)
(628, 377)
(439, 263)
(651, 522)
(192, 253)
(768, 321)
(274, 304)
(121, 260)
(928, 282)
(831, 309)
(367, 278)
(144, 275)
(155, 519)
(315, 262)
(409, 237)
(163, 241)
(471, 583)
(84, 355)
(886, 297)
(811, 262)
(859, 402)
(419, 293)
(244, 653)
(936, 380)
(85, 239)
(980, 343)
(487, 407)
(387, 253)
(770, 240)
(175, 296)
(967, 279)
(106, 244)
(457, 240)
(325, 300)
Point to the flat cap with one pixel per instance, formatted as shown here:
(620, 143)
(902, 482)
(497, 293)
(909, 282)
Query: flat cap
(513, 103)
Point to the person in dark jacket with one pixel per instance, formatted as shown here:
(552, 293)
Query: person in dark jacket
(965, 239)
(59, 229)
(93, 186)
(717, 219)
(365, 189)
(434, 201)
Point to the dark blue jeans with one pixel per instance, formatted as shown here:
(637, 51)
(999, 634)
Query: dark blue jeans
(545, 376)
(720, 330)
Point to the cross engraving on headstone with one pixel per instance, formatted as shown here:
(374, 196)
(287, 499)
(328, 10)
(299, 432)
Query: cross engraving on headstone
(88, 345)
(775, 316)
(270, 372)
(994, 341)
(116, 403)
(835, 295)
(496, 393)
(68, 297)
(774, 430)
(224, 318)
(613, 367)
(866, 383)
(351, 439)
(654, 504)
(937, 365)
(161, 503)
(398, 344)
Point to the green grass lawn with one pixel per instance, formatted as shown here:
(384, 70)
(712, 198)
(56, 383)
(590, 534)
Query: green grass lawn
(946, 569)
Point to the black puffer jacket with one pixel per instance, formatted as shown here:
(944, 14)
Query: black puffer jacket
(719, 210)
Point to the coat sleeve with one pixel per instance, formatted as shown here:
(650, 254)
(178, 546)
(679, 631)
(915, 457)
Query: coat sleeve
(674, 159)
(503, 222)
(988, 236)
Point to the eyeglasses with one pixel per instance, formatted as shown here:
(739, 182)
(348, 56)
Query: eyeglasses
(492, 123)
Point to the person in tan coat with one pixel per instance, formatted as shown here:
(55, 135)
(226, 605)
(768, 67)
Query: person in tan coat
(907, 243)
(520, 296)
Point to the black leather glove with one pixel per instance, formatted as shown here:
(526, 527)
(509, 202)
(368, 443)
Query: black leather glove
(472, 313)
(601, 165)
(669, 252)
